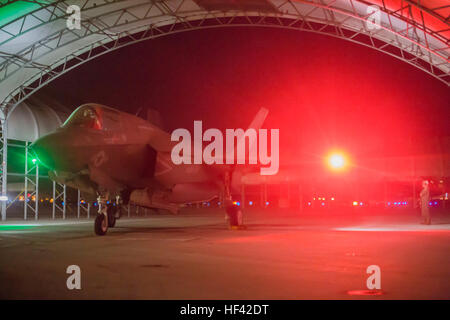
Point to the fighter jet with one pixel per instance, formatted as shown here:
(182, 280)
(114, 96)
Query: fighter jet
(120, 157)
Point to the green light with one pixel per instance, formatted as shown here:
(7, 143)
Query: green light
(34, 161)
(17, 9)
(12, 227)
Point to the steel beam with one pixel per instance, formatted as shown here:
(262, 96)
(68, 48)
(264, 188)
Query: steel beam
(4, 164)
(166, 19)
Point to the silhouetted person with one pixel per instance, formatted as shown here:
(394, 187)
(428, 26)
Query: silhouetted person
(424, 200)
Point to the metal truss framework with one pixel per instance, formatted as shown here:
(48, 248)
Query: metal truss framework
(86, 207)
(59, 193)
(4, 162)
(31, 177)
(37, 48)
(109, 25)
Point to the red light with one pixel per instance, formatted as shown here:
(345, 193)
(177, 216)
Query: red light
(365, 292)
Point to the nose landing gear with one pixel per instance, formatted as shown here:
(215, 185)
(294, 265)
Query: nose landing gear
(107, 215)
(101, 221)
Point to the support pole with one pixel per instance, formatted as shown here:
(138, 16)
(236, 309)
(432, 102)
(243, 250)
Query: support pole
(265, 194)
(78, 204)
(243, 195)
(30, 181)
(57, 195)
(25, 195)
(82, 206)
(64, 202)
(53, 197)
(4, 155)
(36, 194)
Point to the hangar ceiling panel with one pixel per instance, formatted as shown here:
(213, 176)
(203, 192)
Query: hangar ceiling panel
(36, 46)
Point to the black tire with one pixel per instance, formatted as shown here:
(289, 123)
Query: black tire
(235, 216)
(111, 216)
(100, 226)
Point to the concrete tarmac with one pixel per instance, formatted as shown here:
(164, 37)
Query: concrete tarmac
(194, 256)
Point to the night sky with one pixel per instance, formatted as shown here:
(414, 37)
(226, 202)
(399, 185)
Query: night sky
(322, 92)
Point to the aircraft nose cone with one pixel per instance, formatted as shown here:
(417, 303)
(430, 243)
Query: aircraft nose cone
(45, 150)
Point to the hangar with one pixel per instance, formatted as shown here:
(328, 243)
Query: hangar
(36, 46)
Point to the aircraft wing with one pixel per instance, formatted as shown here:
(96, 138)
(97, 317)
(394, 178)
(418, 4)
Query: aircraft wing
(161, 142)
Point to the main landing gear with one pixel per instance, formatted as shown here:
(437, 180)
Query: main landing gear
(107, 215)
(235, 215)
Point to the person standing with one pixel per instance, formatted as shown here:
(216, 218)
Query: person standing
(424, 200)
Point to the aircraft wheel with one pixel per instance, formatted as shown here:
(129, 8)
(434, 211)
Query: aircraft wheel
(100, 225)
(235, 216)
(111, 216)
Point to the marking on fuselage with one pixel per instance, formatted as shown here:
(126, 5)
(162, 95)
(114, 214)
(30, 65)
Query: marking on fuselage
(99, 158)
(162, 167)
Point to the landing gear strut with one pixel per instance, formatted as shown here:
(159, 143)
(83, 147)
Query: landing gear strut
(235, 215)
(107, 215)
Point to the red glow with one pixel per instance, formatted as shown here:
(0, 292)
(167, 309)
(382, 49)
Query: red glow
(365, 292)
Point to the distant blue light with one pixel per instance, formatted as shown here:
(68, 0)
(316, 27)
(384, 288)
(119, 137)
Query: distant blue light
(323, 203)
(238, 203)
(360, 203)
(267, 203)
(309, 203)
(250, 203)
(62, 203)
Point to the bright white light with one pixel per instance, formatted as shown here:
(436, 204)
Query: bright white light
(337, 161)
(3, 198)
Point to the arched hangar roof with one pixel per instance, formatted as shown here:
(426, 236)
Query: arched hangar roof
(34, 118)
(36, 46)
